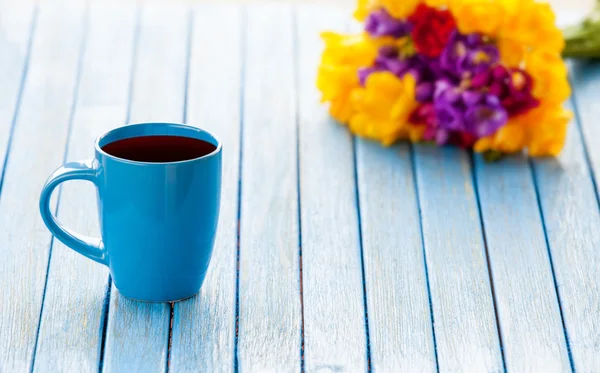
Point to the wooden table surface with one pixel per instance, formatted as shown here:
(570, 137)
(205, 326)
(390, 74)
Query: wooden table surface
(333, 254)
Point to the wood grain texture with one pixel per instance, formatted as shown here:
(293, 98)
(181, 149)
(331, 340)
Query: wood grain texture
(572, 220)
(585, 77)
(204, 326)
(16, 26)
(334, 314)
(137, 333)
(71, 326)
(400, 326)
(463, 310)
(531, 326)
(37, 149)
(269, 287)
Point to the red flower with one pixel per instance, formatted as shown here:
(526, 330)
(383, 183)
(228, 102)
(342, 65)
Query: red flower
(463, 139)
(431, 29)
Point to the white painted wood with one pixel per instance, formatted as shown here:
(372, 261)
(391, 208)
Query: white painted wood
(204, 326)
(334, 314)
(38, 147)
(463, 310)
(16, 22)
(269, 286)
(137, 333)
(572, 219)
(71, 327)
(531, 327)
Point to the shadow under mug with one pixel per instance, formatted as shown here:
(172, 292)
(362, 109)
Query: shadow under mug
(157, 220)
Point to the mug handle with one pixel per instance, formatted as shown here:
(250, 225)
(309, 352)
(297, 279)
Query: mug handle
(87, 246)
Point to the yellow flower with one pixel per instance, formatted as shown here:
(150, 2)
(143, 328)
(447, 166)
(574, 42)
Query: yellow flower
(549, 73)
(517, 26)
(338, 73)
(482, 16)
(512, 53)
(364, 7)
(528, 27)
(400, 9)
(438, 3)
(356, 50)
(336, 85)
(510, 138)
(547, 130)
(382, 108)
(541, 130)
(532, 24)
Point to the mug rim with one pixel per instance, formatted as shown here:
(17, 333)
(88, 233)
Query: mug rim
(184, 126)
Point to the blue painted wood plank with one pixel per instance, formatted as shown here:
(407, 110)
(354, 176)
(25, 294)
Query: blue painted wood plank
(71, 326)
(399, 311)
(269, 286)
(137, 333)
(572, 219)
(204, 326)
(38, 147)
(400, 327)
(16, 28)
(531, 326)
(585, 78)
(463, 309)
(335, 336)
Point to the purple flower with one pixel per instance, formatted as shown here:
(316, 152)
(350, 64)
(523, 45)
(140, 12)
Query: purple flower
(466, 55)
(449, 116)
(389, 59)
(446, 92)
(381, 23)
(424, 91)
(396, 65)
(485, 117)
(460, 110)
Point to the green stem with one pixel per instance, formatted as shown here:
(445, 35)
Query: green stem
(583, 40)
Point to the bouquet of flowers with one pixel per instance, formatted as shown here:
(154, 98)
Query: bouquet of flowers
(486, 75)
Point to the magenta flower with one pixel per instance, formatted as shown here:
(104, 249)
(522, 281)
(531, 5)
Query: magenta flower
(512, 86)
(424, 114)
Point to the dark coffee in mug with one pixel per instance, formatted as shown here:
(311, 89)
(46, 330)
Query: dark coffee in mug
(159, 149)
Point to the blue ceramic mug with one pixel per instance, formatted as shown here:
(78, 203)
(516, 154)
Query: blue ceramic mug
(157, 219)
